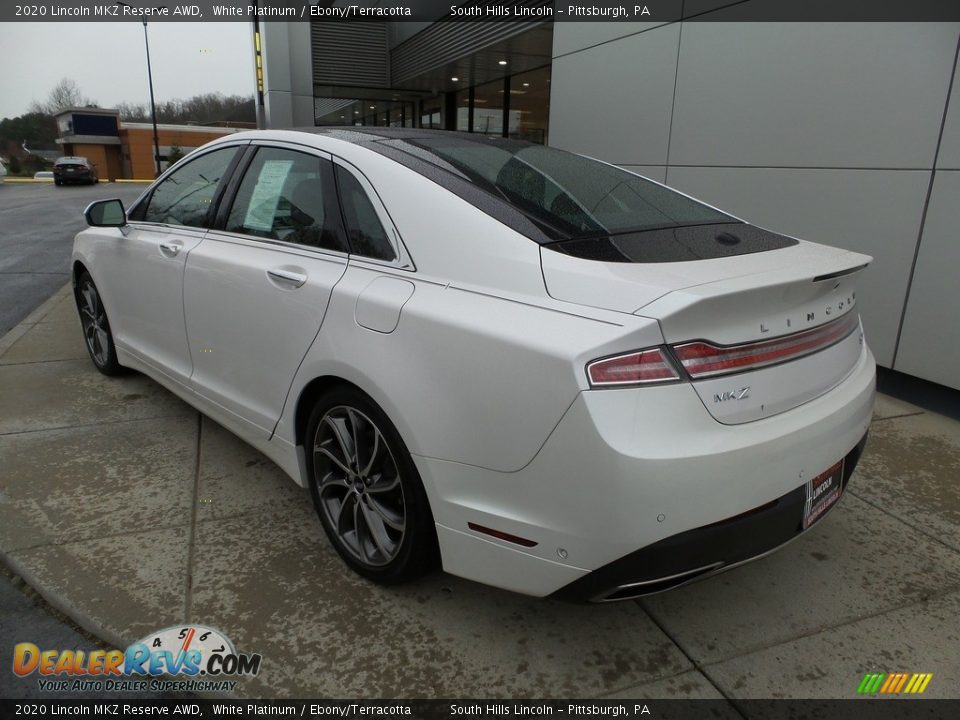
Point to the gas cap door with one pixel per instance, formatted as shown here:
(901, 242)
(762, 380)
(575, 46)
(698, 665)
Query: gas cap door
(379, 304)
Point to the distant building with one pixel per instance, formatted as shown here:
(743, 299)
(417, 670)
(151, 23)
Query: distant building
(124, 150)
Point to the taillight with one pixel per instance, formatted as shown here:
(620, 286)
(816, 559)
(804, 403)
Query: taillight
(702, 359)
(635, 368)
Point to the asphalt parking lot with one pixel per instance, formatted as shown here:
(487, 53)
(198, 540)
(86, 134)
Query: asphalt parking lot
(129, 511)
(37, 225)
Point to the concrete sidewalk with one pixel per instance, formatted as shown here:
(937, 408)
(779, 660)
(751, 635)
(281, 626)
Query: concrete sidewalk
(129, 511)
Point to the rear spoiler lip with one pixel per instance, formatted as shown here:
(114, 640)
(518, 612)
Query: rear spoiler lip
(840, 273)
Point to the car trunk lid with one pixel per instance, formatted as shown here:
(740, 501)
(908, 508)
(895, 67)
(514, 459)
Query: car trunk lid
(739, 301)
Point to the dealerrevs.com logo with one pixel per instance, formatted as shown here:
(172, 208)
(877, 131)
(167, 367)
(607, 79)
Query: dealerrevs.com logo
(204, 659)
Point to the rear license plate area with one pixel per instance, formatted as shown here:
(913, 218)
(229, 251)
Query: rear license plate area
(823, 492)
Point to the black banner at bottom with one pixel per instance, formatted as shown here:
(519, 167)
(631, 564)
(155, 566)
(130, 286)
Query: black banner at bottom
(861, 709)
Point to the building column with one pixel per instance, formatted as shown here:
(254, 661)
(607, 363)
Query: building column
(287, 74)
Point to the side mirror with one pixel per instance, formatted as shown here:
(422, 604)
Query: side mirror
(105, 213)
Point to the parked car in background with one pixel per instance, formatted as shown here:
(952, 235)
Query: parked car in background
(3, 171)
(74, 169)
(43, 175)
(551, 374)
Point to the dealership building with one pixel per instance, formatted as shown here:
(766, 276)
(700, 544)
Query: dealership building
(841, 133)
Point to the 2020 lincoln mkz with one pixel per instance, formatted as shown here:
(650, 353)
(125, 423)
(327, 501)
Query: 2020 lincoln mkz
(542, 371)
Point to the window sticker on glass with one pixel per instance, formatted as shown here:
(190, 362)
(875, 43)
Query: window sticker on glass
(262, 210)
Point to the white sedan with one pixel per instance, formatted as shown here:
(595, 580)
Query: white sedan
(539, 370)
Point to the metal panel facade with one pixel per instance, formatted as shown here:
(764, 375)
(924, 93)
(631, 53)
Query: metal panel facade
(352, 54)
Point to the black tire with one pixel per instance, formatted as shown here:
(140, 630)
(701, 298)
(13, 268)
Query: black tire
(370, 501)
(58, 183)
(97, 335)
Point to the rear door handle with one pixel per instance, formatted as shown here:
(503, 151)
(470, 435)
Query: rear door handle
(287, 277)
(170, 248)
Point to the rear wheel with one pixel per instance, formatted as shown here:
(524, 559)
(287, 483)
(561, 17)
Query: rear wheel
(96, 327)
(367, 491)
(57, 182)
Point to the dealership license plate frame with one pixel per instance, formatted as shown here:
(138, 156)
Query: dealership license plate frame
(820, 501)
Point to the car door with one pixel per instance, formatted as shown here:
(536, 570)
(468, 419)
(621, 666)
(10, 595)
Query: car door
(257, 288)
(145, 271)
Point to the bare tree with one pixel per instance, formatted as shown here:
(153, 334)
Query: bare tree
(202, 109)
(64, 94)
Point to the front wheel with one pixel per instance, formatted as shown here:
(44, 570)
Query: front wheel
(96, 327)
(367, 491)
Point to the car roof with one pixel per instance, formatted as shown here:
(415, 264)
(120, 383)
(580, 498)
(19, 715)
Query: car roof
(362, 134)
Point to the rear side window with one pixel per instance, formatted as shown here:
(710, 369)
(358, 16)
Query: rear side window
(290, 196)
(568, 195)
(367, 235)
(184, 197)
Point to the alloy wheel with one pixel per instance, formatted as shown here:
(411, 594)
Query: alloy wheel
(359, 486)
(93, 318)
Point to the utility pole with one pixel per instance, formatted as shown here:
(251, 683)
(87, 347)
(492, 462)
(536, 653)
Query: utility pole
(153, 105)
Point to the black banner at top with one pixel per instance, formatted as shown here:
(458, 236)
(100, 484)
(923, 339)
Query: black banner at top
(654, 11)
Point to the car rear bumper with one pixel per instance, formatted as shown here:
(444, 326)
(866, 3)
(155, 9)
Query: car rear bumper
(703, 551)
(628, 469)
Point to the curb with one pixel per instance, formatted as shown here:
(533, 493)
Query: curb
(54, 599)
(57, 600)
(61, 604)
(38, 313)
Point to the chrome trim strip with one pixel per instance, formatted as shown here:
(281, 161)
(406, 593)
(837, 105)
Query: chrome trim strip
(700, 570)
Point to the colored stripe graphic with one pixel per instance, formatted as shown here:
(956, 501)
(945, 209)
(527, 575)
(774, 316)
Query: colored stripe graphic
(870, 683)
(889, 682)
(894, 683)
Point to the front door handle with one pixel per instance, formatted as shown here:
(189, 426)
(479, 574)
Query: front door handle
(170, 248)
(287, 277)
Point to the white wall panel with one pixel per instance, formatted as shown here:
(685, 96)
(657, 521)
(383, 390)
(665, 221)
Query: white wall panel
(570, 37)
(654, 172)
(613, 101)
(865, 95)
(930, 343)
(949, 157)
(874, 212)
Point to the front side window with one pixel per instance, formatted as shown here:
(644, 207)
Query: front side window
(184, 197)
(367, 235)
(290, 196)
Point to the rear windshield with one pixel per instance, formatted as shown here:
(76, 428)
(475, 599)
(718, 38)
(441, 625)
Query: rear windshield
(569, 196)
(70, 160)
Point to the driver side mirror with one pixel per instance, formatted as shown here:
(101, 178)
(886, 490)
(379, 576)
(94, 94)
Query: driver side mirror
(105, 213)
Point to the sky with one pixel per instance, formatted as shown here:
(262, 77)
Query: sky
(108, 62)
